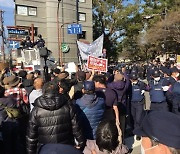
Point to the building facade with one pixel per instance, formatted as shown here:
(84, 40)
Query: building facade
(43, 14)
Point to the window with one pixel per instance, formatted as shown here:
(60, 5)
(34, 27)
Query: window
(82, 36)
(82, 1)
(22, 10)
(26, 10)
(82, 16)
(32, 11)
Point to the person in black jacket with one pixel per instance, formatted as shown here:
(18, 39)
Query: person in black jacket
(9, 127)
(53, 120)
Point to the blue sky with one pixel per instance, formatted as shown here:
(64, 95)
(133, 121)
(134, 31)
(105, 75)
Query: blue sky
(8, 7)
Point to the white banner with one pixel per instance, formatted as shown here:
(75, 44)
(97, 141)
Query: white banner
(93, 49)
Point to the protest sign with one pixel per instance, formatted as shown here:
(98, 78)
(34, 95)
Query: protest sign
(97, 64)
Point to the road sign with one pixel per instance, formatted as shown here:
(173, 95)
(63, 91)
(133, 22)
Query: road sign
(13, 44)
(74, 29)
(65, 48)
(16, 31)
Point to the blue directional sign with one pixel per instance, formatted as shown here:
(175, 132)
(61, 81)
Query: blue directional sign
(16, 31)
(74, 29)
(13, 44)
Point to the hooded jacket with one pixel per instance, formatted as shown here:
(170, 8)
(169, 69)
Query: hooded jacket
(121, 87)
(91, 113)
(53, 120)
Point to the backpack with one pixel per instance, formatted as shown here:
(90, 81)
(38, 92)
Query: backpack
(12, 113)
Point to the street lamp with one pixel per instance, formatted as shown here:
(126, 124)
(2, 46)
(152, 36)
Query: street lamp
(59, 36)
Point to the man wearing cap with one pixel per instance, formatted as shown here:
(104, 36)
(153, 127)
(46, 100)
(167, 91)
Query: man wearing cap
(160, 133)
(91, 110)
(137, 99)
(156, 91)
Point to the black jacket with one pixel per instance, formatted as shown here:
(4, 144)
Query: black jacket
(53, 120)
(28, 85)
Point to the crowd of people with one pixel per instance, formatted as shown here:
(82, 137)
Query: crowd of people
(88, 111)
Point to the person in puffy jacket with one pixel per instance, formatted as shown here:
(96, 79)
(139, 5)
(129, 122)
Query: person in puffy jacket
(91, 110)
(53, 120)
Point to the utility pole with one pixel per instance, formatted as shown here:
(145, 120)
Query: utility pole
(59, 36)
(2, 33)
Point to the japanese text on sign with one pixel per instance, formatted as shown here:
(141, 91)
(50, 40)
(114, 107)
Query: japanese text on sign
(98, 64)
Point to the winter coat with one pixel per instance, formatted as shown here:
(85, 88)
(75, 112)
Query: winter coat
(53, 120)
(9, 127)
(91, 113)
(28, 85)
(121, 87)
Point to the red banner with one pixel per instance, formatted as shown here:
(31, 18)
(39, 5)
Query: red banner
(97, 64)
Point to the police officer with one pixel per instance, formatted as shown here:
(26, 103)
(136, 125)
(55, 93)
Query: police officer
(176, 98)
(137, 99)
(156, 91)
(169, 82)
(40, 42)
(27, 43)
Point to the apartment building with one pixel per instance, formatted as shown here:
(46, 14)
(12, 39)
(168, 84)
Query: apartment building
(43, 14)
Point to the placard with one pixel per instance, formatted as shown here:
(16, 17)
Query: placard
(97, 64)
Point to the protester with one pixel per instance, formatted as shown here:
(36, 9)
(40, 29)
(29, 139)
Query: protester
(56, 72)
(9, 127)
(12, 83)
(160, 133)
(107, 141)
(110, 97)
(91, 109)
(22, 74)
(38, 83)
(37, 74)
(28, 83)
(120, 85)
(53, 120)
(76, 90)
